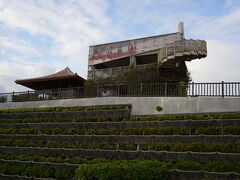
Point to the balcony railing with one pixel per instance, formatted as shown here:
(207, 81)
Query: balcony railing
(222, 89)
(108, 72)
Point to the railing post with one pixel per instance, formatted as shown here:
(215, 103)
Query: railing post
(118, 90)
(59, 92)
(13, 96)
(165, 88)
(97, 90)
(174, 48)
(166, 50)
(192, 88)
(28, 95)
(141, 89)
(43, 95)
(222, 88)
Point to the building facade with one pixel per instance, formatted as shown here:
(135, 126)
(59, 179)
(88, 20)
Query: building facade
(167, 50)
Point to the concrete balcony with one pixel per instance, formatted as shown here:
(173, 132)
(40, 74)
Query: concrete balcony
(167, 57)
(108, 72)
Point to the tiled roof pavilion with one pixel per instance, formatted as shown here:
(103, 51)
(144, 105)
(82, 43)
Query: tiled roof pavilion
(62, 79)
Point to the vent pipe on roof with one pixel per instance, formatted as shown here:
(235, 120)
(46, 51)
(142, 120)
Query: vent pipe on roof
(181, 28)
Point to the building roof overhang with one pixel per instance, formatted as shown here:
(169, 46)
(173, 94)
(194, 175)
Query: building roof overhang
(62, 79)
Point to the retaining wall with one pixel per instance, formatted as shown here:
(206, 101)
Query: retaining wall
(144, 105)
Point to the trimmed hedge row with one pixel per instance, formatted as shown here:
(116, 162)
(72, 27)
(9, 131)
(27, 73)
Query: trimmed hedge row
(114, 119)
(60, 120)
(118, 113)
(71, 160)
(176, 147)
(34, 171)
(184, 117)
(14, 177)
(166, 156)
(133, 139)
(212, 130)
(142, 170)
(175, 174)
(66, 109)
(183, 165)
(123, 170)
(99, 123)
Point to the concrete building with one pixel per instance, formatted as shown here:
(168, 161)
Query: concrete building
(167, 50)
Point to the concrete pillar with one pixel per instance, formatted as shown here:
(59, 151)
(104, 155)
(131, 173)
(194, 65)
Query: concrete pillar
(181, 28)
(159, 57)
(133, 61)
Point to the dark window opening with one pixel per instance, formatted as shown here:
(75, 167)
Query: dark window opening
(146, 59)
(114, 63)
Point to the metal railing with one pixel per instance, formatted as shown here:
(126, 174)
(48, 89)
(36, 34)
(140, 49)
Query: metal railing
(221, 89)
(107, 72)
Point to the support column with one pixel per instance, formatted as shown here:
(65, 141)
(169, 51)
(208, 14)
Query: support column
(133, 61)
(159, 57)
(91, 72)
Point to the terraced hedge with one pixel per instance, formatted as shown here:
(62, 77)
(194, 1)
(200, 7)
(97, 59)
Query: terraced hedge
(212, 130)
(104, 123)
(202, 157)
(150, 170)
(88, 117)
(105, 143)
(66, 109)
(215, 166)
(176, 147)
(34, 171)
(132, 139)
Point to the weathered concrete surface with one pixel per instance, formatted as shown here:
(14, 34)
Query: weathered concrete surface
(143, 105)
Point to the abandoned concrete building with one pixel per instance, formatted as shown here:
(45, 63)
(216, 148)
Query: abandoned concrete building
(167, 51)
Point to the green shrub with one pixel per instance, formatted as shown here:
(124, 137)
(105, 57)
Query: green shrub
(24, 170)
(114, 119)
(3, 99)
(159, 108)
(63, 174)
(65, 109)
(123, 170)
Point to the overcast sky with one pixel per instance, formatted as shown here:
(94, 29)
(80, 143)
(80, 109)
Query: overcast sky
(44, 36)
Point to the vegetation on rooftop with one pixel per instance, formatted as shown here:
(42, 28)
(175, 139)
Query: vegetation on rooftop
(150, 74)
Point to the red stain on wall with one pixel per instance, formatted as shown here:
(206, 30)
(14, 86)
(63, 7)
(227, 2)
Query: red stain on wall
(110, 55)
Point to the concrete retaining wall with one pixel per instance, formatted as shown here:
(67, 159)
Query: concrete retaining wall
(144, 105)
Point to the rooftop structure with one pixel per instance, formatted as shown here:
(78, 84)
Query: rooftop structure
(168, 51)
(62, 79)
